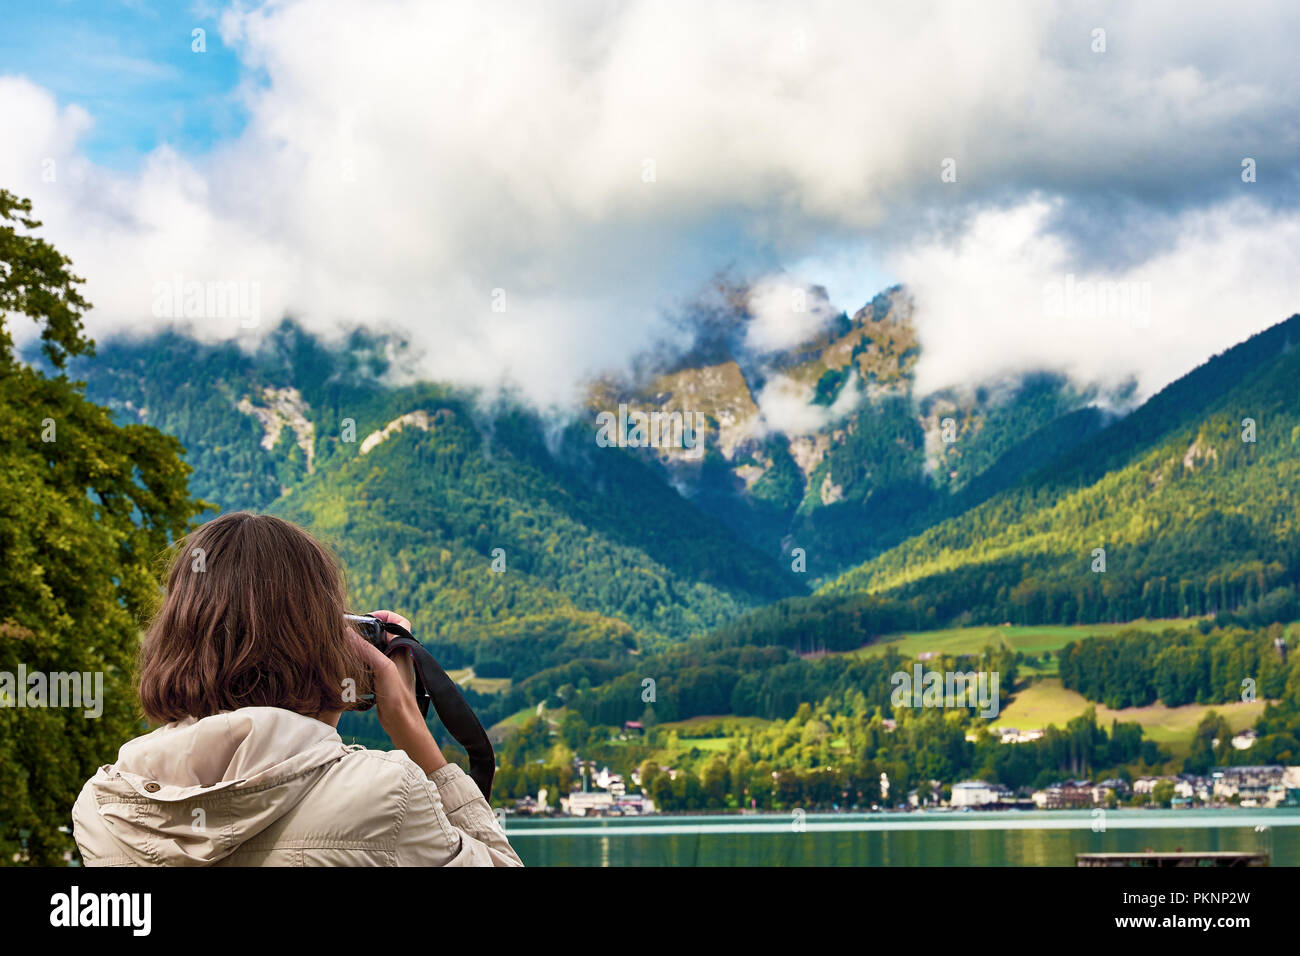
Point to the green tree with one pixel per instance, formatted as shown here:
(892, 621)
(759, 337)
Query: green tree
(86, 508)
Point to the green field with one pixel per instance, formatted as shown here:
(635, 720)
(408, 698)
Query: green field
(1028, 640)
(1045, 702)
(708, 725)
(1039, 702)
(509, 725)
(484, 685)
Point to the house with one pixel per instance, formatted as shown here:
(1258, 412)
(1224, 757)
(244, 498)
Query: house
(530, 805)
(1063, 796)
(631, 727)
(976, 793)
(594, 803)
(1245, 740)
(613, 782)
(1291, 784)
(1144, 785)
(634, 805)
(1253, 785)
(1114, 788)
(1011, 735)
(1192, 787)
(914, 796)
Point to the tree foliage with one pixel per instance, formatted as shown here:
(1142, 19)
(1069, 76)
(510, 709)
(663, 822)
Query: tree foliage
(86, 509)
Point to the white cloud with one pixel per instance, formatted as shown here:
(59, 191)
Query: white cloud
(990, 297)
(405, 159)
(784, 314)
(787, 406)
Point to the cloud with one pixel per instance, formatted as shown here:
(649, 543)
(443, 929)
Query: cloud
(787, 406)
(1007, 295)
(784, 314)
(529, 191)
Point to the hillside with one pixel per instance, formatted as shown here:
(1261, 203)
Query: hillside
(418, 486)
(1193, 517)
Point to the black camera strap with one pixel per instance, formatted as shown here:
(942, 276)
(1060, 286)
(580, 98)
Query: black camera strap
(433, 684)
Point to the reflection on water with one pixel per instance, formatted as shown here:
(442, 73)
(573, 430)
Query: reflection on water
(972, 839)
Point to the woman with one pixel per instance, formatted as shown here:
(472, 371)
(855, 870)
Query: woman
(248, 665)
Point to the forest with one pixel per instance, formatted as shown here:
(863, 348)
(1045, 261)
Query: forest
(1192, 497)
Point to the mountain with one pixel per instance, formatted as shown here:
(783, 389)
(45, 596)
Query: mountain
(423, 493)
(423, 489)
(825, 446)
(1193, 497)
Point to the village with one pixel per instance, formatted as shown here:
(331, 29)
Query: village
(607, 794)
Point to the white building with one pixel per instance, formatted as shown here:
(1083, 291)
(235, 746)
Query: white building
(1010, 735)
(634, 805)
(579, 804)
(613, 782)
(976, 793)
(1245, 740)
(1144, 785)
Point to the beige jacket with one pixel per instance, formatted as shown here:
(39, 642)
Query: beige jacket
(261, 786)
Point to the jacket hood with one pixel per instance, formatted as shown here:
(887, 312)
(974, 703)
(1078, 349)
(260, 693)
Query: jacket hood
(194, 791)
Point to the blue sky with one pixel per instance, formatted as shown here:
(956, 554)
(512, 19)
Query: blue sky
(131, 66)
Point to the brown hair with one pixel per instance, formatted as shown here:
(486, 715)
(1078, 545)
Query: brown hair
(252, 617)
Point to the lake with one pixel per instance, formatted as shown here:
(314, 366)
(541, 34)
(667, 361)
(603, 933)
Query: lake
(1004, 838)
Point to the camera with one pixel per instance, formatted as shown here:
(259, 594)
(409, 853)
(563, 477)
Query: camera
(371, 628)
(433, 686)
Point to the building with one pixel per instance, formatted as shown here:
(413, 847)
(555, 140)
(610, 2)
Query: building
(1189, 786)
(976, 793)
(1245, 740)
(1011, 735)
(1253, 786)
(592, 804)
(1291, 783)
(528, 805)
(914, 796)
(1064, 796)
(613, 782)
(634, 805)
(1143, 786)
(1107, 790)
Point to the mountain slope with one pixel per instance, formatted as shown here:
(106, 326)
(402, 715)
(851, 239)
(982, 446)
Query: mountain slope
(1193, 518)
(417, 487)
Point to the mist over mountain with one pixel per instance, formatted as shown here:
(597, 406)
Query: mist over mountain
(816, 453)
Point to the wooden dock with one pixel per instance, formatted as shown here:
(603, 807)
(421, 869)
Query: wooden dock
(1181, 858)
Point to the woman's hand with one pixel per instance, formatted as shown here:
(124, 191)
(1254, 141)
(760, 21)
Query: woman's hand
(395, 706)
